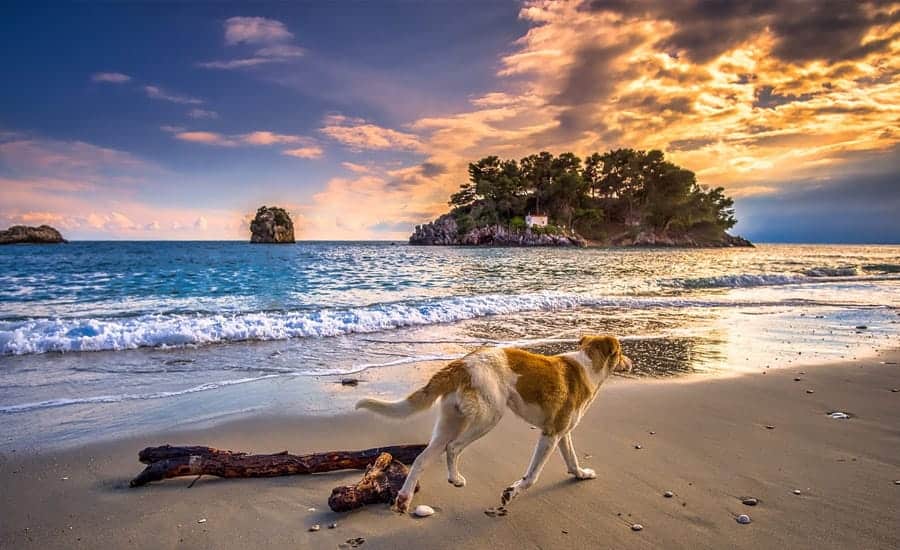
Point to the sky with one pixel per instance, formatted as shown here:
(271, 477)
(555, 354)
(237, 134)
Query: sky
(178, 120)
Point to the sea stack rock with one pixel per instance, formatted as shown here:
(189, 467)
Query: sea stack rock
(271, 225)
(35, 235)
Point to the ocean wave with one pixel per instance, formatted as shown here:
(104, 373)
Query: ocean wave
(882, 268)
(847, 271)
(44, 335)
(99, 399)
(812, 275)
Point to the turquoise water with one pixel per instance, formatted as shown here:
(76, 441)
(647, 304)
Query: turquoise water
(95, 330)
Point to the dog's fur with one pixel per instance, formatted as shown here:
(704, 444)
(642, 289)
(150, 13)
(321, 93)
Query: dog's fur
(550, 392)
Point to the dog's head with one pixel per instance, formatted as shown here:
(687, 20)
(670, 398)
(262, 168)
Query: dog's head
(605, 350)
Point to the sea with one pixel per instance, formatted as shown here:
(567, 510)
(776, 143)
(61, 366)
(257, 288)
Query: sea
(106, 339)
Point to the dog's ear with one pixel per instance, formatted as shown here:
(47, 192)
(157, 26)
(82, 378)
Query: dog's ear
(583, 340)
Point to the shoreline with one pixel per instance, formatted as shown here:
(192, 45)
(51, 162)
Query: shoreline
(711, 446)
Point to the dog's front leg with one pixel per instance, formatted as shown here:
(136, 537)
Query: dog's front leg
(567, 449)
(542, 453)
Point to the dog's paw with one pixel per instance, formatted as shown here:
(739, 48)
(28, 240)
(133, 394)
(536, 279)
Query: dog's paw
(402, 503)
(585, 473)
(459, 481)
(512, 492)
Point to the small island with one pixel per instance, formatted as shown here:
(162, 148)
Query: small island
(271, 225)
(624, 197)
(23, 234)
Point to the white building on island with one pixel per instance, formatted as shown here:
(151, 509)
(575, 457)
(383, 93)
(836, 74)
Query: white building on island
(538, 220)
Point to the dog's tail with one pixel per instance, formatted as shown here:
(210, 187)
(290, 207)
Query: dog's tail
(444, 381)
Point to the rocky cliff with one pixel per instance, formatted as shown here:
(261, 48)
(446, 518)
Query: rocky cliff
(271, 225)
(24, 234)
(650, 238)
(445, 231)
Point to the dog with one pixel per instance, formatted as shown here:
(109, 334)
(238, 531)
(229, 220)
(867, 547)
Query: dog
(550, 392)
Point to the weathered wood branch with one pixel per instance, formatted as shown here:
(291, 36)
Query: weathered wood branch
(167, 462)
(381, 483)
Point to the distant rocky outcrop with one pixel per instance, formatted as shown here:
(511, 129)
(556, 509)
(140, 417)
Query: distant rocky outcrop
(43, 234)
(697, 239)
(445, 231)
(271, 225)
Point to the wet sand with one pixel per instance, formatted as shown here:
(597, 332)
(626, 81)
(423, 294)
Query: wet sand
(711, 446)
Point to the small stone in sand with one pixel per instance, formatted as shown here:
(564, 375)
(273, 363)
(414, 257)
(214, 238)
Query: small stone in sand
(797, 379)
(838, 415)
(66, 478)
(796, 491)
(637, 527)
(315, 527)
(668, 494)
(349, 381)
(743, 519)
(358, 541)
(750, 501)
(332, 525)
(810, 391)
(770, 427)
(652, 433)
(897, 482)
(861, 327)
(895, 390)
(564, 532)
(423, 511)
(638, 447)
(201, 520)
(310, 509)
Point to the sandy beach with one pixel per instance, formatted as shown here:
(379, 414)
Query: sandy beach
(712, 445)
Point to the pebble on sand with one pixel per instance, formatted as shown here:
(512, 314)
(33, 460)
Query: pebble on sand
(315, 527)
(797, 492)
(423, 511)
(349, 381)
(332, 525)
(770, 427)
(638, 447)
(897, 482)
(838, 415)
(810, 391)
(743, 519)
(637, 527)
(750, 501)
(668, 494)
(201, 520)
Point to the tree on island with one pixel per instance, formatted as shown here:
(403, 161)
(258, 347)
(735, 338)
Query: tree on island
(620, 189)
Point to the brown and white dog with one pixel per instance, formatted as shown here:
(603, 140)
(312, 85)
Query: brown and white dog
(550, 392)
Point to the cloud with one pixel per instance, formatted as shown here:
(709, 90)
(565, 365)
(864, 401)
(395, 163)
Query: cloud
(308, 149)
(358, 135)
(269, 138)
(201, 223)
(202, 114)
(310, 152)
(271, 35)
(155, 92)
(55, 160)
(206, 138)
(255, 30)
(112, 78)
(356, 168)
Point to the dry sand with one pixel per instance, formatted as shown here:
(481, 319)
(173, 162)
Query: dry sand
(711, 446)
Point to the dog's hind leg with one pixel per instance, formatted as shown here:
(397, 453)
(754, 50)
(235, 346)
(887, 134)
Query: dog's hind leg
(542, 453)
(476, 427)
(448, 426)
(567, 449)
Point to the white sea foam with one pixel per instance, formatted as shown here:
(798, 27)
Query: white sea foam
(66, 401)
(178, 330)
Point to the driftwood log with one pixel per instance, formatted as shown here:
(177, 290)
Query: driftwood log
(381, 483)
(167, 462)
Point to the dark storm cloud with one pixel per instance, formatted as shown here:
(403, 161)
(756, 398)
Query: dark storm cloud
(804, 30)
(767, 98)
(691, 144)
(432, 169)
(858, 208)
